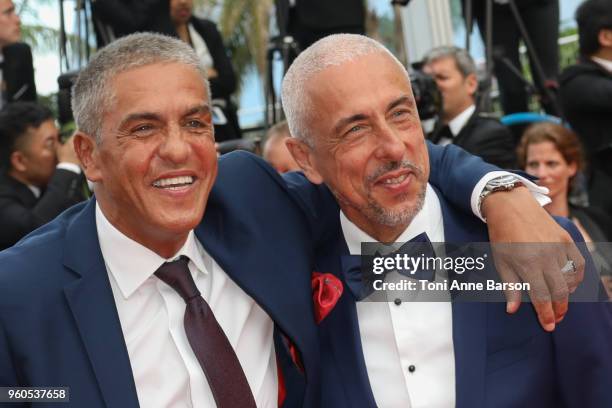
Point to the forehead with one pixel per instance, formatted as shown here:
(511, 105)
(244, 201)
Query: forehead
(365, 83)
(545, 147)
(159, 85)
(446, 63)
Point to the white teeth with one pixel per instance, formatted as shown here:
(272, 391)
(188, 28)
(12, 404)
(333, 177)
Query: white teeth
(173, 182)
(396, 180)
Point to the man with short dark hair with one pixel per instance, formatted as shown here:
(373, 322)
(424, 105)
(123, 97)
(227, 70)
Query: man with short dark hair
(461, 123)
(16, 70)
(39, 176)
(586, 92)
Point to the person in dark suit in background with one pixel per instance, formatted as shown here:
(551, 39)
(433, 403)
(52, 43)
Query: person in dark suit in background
(116, 18)
(461, 123)
(16, 69)
(206, 40)
(541, 20)
(39, 176)
(367, 146)
(585, 94)
(311, 20)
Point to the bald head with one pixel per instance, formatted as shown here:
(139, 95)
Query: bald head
(333, 50)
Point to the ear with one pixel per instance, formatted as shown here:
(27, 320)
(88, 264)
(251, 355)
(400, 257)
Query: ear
(302, 154)
(471, 82)
(605, 37)
(18, 161)
(87, 150)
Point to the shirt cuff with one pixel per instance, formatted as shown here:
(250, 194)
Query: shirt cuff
(539, 193)
(71, 167)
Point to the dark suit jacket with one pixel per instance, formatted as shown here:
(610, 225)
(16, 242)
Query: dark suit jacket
(501, 360)
(311, 20)
(125, 17)
(585, 91)
(487, 138)
(18, 73)
(21, 212)
(58, 320)
(223, 85)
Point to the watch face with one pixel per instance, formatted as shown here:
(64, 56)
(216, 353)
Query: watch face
(503, 181)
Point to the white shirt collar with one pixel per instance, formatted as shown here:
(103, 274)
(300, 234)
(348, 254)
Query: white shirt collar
(428, 220)
(131, 263)
(607, 64)
(460, 120)
(35, 190)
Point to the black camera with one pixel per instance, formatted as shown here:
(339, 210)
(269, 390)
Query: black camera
(427, 96)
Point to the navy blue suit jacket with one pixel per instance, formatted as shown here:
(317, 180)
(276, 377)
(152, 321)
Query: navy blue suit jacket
(58, 321)
(501, 360)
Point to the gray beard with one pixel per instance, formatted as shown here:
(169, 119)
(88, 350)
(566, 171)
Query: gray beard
(390, 218)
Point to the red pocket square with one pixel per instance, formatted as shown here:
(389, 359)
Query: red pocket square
(326, 290)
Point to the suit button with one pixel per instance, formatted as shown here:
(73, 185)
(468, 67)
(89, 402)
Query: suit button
(397, 301)
(411, 368)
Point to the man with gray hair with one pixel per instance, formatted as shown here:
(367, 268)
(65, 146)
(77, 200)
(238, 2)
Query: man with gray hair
(132, 299)
(461, 123)
(362, 137)
(164, 290)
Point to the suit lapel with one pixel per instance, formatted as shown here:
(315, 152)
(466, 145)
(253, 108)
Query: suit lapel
(20, 191)
(465, 130)
(90, 299)
(249, 266)
(469, 319)
(343, 327)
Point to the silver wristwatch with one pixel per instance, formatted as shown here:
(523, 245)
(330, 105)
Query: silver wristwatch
(502, 183)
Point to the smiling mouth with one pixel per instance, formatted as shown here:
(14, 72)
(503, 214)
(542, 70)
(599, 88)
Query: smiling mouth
(395, 180)
(174, 183)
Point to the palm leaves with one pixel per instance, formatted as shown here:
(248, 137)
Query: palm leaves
(244, 25)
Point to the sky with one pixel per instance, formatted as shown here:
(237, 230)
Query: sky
(47, 66)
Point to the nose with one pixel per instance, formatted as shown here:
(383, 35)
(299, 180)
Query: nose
(175, 147)
(390, 142)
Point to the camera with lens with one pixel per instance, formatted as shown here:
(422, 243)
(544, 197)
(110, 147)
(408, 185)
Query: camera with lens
(427, 96)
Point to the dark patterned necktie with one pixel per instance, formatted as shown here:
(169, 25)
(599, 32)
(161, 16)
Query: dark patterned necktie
(213, 350)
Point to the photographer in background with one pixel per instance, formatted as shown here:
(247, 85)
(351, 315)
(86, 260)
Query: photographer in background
(454, 71)
(16, 70)
(206, 41)
(586, 92)
(39, 177)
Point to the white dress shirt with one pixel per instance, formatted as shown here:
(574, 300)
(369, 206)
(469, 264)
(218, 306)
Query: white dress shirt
(460, 120)
(166, 371)
(607, 64)
(408, 348)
